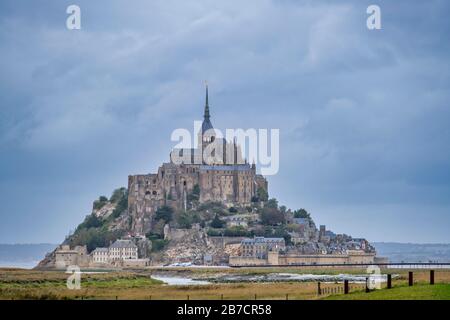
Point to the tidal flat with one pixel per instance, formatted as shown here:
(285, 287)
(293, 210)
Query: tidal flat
(151, 283)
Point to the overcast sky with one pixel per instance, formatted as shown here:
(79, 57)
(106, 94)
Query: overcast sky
(363, 115)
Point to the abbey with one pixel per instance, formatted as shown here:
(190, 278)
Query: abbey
(219, 174)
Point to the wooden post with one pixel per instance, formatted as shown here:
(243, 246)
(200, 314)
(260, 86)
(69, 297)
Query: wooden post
(287, 296)
(319, 290)
(389, 281)
(367, 285)
(346, 287)
(431, 277)
(188, 297)
(221, 296)
(410, 278)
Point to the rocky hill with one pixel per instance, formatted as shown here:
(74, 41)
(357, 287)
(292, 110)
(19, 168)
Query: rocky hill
(205, 230)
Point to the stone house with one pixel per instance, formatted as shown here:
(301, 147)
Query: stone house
(65, 256)
(259, 247)
(100, 255)
(122, 250)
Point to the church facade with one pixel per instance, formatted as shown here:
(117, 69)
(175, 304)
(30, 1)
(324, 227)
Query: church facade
(214, 171)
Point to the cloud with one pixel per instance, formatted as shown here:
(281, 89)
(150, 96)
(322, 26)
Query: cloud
(363, 115)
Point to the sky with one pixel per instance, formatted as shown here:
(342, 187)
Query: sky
(364, 115)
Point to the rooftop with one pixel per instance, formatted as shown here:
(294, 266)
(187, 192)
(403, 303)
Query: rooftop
(123, 244)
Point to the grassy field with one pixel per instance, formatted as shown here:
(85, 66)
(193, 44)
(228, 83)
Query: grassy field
(28, 284)
(417, 292)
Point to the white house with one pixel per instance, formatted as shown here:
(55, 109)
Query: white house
(123, 250)
(100, 255)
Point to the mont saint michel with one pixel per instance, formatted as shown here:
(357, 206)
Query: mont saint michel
(209, 209)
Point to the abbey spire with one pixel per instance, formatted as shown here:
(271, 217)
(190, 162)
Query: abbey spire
(206, 114)
(206, 125)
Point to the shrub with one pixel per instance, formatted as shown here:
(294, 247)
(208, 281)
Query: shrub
(271, 203)
(91, 221)
(119, 194)
(262, 194)
(100, 202)
(185, 220)
(217, 223)
(301, 213)
(195, 194)
(164, 213)
(121, 206)
(271, 216)
(237, 231)
(158, 244)
(94, 237)
(214, 233)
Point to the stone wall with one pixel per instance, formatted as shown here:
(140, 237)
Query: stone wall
(274, 258)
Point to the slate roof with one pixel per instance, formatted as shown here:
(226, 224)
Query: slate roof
(123, 244)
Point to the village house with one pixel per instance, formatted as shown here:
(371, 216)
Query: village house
(259, 247)
(122, 250)
(65, 256)
(100, 255)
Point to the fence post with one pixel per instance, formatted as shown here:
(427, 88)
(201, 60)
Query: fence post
(287, 296)
(367, 285)
(346, 286)
(319, 290)
(410, 278)
(431, 276)
(389, 281)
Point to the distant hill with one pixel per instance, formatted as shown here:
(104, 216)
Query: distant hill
(23, 255)
(413, 252)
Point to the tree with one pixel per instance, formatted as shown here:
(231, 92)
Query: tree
(301, 213)
(271, 216)
(262, 194)
(195, 194)
(94, 237)
(118, 194)
(158, 229)
(158, 244)
(100, 202)
(91, 221)
(185, 220)
(164, 213)
(272, 203)
(237, 231)
(121, 206)
(217, 223)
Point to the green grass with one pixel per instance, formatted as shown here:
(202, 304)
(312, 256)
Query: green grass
(416, 292)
